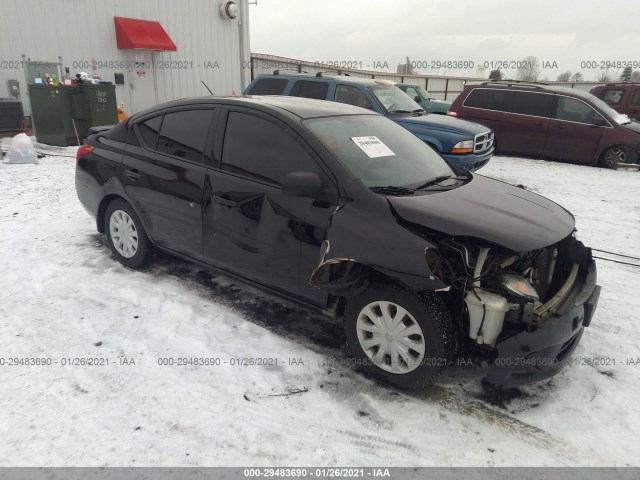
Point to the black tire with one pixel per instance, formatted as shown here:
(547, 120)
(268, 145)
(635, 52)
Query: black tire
(431, 316)
(613, 156)
(142, 248)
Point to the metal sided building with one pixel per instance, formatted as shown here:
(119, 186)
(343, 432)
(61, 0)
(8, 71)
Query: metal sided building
(152, 50)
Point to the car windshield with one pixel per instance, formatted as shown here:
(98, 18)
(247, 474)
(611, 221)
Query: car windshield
(619, 118)
(424, 93)
(378, 151)
(394, 100)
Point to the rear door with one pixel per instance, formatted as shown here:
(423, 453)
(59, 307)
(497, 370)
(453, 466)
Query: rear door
(572, 135)
(526, 122)
(250, 227)
(164, 176)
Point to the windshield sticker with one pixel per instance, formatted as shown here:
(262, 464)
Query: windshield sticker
(373, 147)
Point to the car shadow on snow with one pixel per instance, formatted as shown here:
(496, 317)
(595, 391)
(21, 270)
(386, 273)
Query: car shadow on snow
(322, 334)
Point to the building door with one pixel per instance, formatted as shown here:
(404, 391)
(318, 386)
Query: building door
(141, 81)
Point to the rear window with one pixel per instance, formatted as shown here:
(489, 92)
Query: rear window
(487, 98)
(522, 103)
(119, 133)
(184, 134)
(149, 130)
(527, 103)
(612, 96)
(268, 86)
(309, 89)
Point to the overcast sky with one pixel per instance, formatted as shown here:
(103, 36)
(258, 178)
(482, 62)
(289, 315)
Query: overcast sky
(567, 32)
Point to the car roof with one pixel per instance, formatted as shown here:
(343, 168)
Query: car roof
(618, 84)
(530, 87)
(292, 106)
(328, 77)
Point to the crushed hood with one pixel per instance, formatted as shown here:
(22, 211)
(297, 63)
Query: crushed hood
(489, 210)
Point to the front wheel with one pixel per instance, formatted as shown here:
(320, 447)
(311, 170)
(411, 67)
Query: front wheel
(125, 234)
(613, 157)
(399, 337)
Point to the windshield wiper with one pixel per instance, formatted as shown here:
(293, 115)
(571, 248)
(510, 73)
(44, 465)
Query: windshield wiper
(420, 111)
(400, 111)
(442, 178)
(393, 190)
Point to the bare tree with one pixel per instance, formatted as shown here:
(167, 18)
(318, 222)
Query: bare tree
(528, 69)
(606, 76)
(577, 77)
(564, 76)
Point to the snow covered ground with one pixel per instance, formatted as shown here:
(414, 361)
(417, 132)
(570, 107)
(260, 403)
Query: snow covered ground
(62, 296)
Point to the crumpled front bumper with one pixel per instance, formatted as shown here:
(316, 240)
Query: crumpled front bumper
(533, 356)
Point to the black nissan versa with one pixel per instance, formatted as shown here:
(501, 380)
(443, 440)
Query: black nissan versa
(343, 211)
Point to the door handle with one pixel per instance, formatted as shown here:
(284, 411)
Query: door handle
(539, 124)
(559, 126)
(132, 174)
(223, 200)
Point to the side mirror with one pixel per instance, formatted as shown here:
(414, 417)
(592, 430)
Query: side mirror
(301, 184)
(598, 121)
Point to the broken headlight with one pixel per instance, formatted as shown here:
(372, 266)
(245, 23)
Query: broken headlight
(518, 286)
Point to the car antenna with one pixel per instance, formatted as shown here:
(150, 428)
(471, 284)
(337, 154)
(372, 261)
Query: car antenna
(205, 86)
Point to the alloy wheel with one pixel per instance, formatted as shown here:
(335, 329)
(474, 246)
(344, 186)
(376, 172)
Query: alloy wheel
(615, 156)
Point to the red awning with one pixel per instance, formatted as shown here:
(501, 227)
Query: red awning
(132, 33)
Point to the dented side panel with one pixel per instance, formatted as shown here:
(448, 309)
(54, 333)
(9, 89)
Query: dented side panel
(371, 237)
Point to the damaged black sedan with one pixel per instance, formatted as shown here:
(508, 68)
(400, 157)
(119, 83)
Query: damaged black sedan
(340, 210)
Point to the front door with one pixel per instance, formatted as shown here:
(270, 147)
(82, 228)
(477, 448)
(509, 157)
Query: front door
(572, 135)
(250, 227)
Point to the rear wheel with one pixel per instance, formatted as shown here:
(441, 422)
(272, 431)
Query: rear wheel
(397, 336)
(613, 157)
(125, 235)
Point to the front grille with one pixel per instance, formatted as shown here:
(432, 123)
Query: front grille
(482, 142)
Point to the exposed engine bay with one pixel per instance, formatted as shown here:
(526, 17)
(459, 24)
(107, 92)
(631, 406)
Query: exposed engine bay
(503, 292)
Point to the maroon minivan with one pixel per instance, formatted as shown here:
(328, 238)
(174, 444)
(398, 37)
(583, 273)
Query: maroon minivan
(622, 97)
(558, 123)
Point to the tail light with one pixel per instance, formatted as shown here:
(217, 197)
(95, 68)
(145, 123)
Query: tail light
(452, 114)
(84, 150)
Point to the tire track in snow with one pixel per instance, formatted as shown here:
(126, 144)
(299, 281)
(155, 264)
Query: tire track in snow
(523, 431)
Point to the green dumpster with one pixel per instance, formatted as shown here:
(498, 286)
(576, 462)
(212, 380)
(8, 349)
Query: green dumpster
(96, 105)
(55, 110)
(52, 111)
